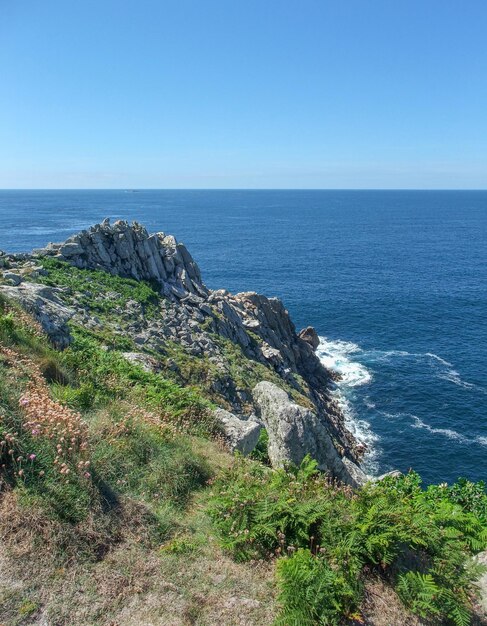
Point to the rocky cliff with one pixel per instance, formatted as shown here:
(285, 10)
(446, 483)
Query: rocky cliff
(243, 338)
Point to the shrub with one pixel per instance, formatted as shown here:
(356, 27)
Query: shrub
(312, 592)
(42, 444)
(328, 535)
(260, 452)
(107, 376)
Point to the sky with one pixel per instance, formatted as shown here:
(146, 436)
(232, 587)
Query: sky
(340, 94)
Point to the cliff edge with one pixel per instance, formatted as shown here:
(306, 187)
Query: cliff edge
(239, 340)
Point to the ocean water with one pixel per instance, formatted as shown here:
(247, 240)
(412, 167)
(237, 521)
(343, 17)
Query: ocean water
(395, 282)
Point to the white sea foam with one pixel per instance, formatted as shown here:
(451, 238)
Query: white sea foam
(368, 403)
(453, 376)
(448, 373)
(439, 359)
(386, 354)
(447, 432)
(390, 416)
(336, 356)
(343, 357)
(444, 369)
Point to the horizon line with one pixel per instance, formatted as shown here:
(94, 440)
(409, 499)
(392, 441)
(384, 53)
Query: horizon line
(139, 189)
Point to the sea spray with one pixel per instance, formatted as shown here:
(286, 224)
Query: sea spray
(336, 356)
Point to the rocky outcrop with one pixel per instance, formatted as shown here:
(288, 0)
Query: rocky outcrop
(310, 335)
(12, 279)
(130, 251)
(46, 306)
(295, 431)
(241, 435)
(145, 361)
(200, 321)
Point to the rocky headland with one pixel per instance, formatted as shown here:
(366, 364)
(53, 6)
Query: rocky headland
(173, 455)
(259, 370)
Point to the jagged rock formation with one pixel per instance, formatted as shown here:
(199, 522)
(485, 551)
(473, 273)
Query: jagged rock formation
(132, 252)
(295, 431)
(200, 321)
(310, 335)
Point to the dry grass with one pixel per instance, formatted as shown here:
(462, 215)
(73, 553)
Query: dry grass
(131, 584)
(382, 606)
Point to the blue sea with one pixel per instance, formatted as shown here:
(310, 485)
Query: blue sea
(395, 282)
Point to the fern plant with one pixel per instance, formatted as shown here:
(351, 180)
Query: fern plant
(421, 541)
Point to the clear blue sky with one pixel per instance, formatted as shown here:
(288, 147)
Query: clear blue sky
(243, 93)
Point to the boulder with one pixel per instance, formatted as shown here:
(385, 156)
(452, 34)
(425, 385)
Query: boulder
(43, 303)
(195, 318)
(310, 335)
(241, 435)
(391, 474)
(71, 249)
(14, 279)
(295, 431)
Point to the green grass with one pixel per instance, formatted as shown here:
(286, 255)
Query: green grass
(131, 453)
(99, 291)
(145, 460)
(105, 296)
(151, 457)
(105, 375)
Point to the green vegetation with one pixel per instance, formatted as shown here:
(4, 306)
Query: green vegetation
(328, 537)
(246, 373)
(105, 375)
(115, 473)
(129, 442)
(158, 465)
(102, 293)
(100, 465)
(260, 452)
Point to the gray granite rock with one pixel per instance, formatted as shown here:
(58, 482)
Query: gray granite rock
(482, 583)
(46, 306)
(146, 362)
(130, 251)
(242, 435)
(295, 431)
(310, 335)
(199, 321)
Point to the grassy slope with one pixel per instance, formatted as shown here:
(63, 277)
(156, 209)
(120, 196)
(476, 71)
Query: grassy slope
(124, 539)
(108, 473)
